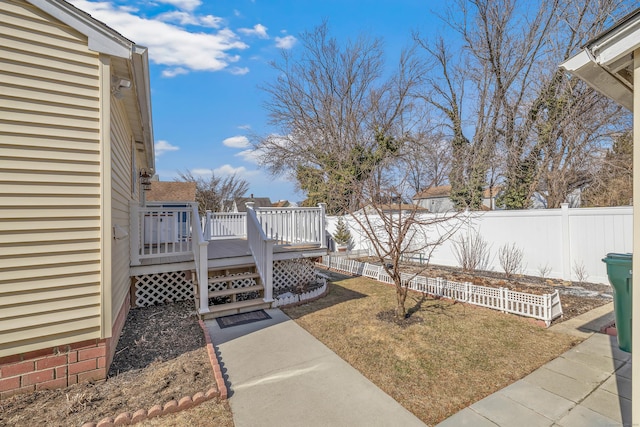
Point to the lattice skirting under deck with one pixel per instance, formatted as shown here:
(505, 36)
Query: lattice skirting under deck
(293, 273)
(160, 288)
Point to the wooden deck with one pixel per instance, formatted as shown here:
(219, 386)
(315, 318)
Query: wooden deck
(225, 253)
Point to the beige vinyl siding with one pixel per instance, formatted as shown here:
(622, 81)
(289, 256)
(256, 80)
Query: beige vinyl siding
(121, 142)
(50, 225)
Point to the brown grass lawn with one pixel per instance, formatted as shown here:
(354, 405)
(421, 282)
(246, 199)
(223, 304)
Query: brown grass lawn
(457, 355)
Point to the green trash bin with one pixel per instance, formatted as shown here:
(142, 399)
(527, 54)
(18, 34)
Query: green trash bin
(619, 273)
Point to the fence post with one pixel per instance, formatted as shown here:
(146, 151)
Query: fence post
(566, 242)
(503, 300)
(547, 309)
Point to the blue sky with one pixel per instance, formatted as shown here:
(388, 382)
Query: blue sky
(208, 59)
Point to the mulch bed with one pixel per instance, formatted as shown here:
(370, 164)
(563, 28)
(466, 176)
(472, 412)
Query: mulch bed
(161, 356)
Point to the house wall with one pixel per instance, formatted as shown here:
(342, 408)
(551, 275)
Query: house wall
(437, 204)
(122, 192)
(563, 240)
(52, 273)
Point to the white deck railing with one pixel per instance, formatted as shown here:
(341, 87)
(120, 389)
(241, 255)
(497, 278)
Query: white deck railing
(223, 225)
(201, 259)
(158, 231)
(285, 226)
(262, 250)
(293, 225)
(544, 307)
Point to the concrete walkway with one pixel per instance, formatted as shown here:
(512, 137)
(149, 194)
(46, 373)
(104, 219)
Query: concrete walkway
(589, 385)
(280, 375)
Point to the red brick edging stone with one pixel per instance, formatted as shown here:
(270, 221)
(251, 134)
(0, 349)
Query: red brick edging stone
(215, 363)
(173, 406)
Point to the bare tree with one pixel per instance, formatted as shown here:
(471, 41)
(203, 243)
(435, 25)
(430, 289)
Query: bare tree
(472, 252)
(338, 117)
(510, 257)
(426, 157)
(211, 192)
(395, 229)
(529, 126)
(613, 180)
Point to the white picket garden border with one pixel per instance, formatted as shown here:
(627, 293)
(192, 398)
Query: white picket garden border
(545, 307)
(296, 298)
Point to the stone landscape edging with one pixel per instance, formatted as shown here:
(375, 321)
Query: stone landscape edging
(173, 406)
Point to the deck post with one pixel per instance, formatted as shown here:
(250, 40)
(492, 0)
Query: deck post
(268, 269)
(323, 219)
(203, 277)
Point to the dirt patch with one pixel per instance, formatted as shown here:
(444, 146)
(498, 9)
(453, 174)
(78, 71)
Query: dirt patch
(161, 356)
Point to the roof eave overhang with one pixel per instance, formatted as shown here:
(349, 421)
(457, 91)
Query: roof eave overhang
(101, 38)
(143, 92)
(601, 58)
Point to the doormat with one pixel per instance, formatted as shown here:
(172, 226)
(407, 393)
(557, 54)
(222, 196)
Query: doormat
(242, 318)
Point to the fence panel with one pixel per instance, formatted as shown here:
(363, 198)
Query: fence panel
(559, 240)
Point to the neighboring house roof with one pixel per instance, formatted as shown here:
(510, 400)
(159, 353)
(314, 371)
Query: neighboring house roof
(489, 193)
(259, 202)
(402, 207)
(171, 192)
(282, 204)
(606, 61)
(445, 191)
(432, 192)
(104, 39)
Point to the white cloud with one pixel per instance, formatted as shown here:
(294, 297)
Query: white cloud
(285, 42)
(250, 156)
(162, 147)
(225, 170)
(236, 142)
(258, 30)
(186, 18)
(239, 71)
(240, 171)
(169, 44)
(201, 172)
(245, 127)
(172, 72)
(183, 4)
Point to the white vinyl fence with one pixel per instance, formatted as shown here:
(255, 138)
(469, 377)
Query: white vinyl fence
(561, 241)
(543, 307)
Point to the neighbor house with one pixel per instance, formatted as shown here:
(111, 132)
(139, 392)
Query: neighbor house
(164, 191)
(438, 199)
(75, 134)
(240, 204)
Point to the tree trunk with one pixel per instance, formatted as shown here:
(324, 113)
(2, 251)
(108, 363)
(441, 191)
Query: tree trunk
(401, 298)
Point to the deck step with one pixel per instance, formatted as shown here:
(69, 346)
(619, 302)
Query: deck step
(233, 291)
(231, 278)
(235, 308)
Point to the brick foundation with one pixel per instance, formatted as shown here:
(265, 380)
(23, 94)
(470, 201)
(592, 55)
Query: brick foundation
(60, 366)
